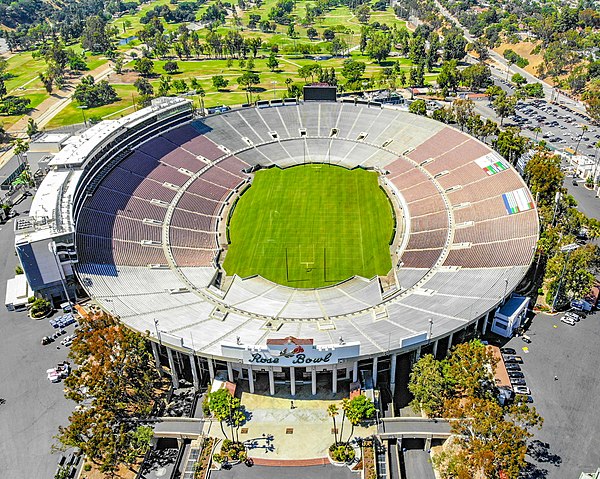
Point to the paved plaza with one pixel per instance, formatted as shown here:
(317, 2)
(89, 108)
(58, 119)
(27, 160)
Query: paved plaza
(260, 472)
(276, 432)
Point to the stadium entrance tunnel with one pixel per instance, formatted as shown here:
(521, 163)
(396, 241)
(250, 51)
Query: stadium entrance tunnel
(311, 226)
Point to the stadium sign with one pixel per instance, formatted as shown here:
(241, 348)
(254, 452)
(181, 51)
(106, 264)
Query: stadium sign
(290, 351)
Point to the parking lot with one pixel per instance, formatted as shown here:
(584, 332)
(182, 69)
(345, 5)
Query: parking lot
(560, 127)
(567, 444)
(32, 407)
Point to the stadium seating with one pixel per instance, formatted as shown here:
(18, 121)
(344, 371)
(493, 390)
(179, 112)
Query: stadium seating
(462, 248)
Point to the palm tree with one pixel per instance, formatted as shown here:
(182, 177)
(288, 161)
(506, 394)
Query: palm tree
(537, 131)
(333, 410)
(21, 146)
(584, 128)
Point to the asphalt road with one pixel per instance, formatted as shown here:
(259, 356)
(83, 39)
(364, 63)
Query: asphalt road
(241, 471)
(568, 441)
(33, 407)
(418, 465)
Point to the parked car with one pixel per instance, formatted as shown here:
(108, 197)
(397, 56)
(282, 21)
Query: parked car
(47, 340)
(524, 390)
(518, 382)
(512, 367)
(513, 359)
(574, 316)
(515, 374)
(507, 351)
(569, 321)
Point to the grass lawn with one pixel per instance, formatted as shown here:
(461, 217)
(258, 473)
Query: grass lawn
(311, 226)
(71, 114)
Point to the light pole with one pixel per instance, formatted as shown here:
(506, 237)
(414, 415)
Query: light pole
(597, 145)
(82, 108)
(565, 249)
(157, 333)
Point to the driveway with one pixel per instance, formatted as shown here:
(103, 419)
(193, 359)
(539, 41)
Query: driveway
(264, 472)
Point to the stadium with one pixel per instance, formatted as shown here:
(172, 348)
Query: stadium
(291, 244)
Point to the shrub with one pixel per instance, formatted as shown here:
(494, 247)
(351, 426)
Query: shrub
(341, 453)
(40, 307)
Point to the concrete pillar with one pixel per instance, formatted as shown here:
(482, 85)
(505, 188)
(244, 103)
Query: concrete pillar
(334, 379)
(375, 372)
(393, 373)
(449, 342)
(355, 372)
(428, 443)
(313, 377)
(292, 380)
(347, 371)
(156, 355)
(229, 372)
(251, 379)
(485, 323)
(271, 382)
(418, 353)
(435, 346)
(211, 369)
(195, 379)
(174, 378)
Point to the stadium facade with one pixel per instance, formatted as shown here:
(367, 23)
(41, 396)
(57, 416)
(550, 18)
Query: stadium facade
(135, 212)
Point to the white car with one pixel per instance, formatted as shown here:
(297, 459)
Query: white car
(522, 390)
(574, 316)
(569, 321)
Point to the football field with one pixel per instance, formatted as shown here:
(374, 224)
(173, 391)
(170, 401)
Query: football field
(311, 226)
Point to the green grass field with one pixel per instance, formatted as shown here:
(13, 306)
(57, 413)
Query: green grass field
(311, 226)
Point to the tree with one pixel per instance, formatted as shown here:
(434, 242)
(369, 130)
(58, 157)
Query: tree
(463, 110)
(144, 87)
(544, 177)
(180, 85)
(449, 76)
(379, 46)
(164, 85)
(357, 410)
(20, 147)
(219, 82)
(2, 89)
(428, 386)
(171, 67)
(454, 45)
(518, 80)
(511, 145)
(477, 77)
(332, 411)
(227, 409)
(328, 34)
(32, 127)
(418, 107)
(248, 80)
(311, 33)
(272, 62)
(116, 378)
(144, 66)
(96, 36)
(591, 98)
(353, 70)
(310, 70)
(504, 105)
(118, 64)
(363, 13)
(92, 94)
